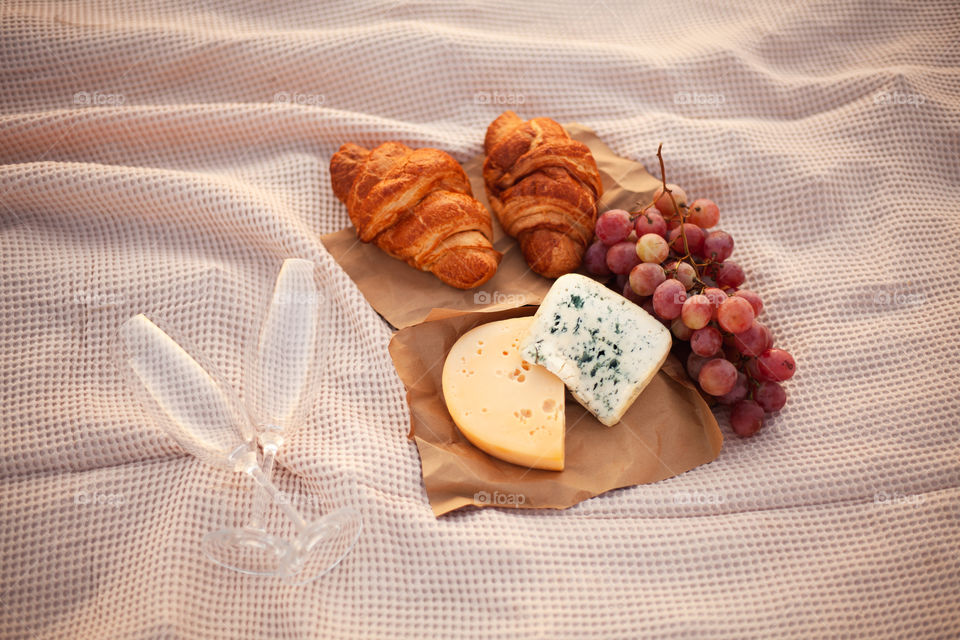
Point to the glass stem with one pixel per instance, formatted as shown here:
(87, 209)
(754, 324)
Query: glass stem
(272, 493)
(261, 496)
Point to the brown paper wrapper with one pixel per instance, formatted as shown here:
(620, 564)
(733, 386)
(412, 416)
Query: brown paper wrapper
(667, 431)
(405, 296)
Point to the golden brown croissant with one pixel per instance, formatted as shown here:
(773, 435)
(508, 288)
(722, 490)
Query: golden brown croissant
(417, 206)
(544, 187)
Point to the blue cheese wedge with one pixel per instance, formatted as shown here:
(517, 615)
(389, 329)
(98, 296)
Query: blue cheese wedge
(605, 348)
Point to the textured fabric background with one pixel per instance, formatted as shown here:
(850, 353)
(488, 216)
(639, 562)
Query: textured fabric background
(164, 158)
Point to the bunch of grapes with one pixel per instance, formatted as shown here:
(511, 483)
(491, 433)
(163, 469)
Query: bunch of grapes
(667, 259)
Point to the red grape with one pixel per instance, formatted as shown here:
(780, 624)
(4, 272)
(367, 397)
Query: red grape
(664, 203)
(652, 248)
(717, 377)
(650, 221)
(595, 259)
(746, 418)
(776, 365)
(730, 275)
(718, 245)
(730, 349)
(738, 393)
(735, 315)
(770, 396)
(694, 239)
(753, 371)
(716, 297)
(752, 298)
(613, 226)
(680, 330)
(768, 335)
(706, 342)
(694, 364)
(697, 311)
(647, 306)
(682, 272)
(622, 257)
(631, 295)
(704, 213)
(668, 298)
(753, 341)
(646, 277)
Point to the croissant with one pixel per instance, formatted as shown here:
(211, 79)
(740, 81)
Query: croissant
(544, 187)
(417, 206)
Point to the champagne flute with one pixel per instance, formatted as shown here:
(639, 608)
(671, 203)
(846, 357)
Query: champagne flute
(280, 388)
(192, 402)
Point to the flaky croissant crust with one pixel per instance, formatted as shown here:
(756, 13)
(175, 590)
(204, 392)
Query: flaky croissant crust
(417, 206)
(544, 188)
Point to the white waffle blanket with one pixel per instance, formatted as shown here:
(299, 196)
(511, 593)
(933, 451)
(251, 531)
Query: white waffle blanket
(164, 158)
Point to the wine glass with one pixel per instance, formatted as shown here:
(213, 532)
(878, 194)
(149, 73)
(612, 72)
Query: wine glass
(280, 387)
(190, 400)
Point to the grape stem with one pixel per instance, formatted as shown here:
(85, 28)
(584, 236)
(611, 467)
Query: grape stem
(688, 256)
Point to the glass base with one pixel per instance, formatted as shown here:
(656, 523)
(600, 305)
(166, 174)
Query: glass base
(323, 545)
(247, 550)
(318, 549)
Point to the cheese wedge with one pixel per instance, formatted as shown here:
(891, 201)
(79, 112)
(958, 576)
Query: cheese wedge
(506, 407)
(605, 348)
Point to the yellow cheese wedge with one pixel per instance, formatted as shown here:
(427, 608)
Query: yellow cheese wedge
(509, 408)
